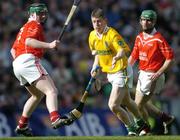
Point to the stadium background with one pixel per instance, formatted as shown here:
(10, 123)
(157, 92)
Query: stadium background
(71, 64)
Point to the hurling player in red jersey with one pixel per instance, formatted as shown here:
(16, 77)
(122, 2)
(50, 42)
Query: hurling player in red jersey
(27, 51)
(154, 56)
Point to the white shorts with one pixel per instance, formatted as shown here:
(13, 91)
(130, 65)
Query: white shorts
(122, 78)
(27, 68)
(144, 83)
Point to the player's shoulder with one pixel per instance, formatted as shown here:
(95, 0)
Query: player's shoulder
(140, 35)
(112, 31)
(33, 23)
(158, 35)
(92, 34)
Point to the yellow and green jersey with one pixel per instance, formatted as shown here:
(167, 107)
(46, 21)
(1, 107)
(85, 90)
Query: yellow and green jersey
(106, 47)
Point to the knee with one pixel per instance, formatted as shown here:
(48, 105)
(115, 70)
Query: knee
(113, 107)
(51, 92)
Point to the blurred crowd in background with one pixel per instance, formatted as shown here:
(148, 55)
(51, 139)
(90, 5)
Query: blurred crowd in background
(70, 65)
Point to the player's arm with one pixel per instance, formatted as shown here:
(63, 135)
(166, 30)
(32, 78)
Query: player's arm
(121, 48)
(93, 51)
(95, 64)
(131, 60)
(120, 54)
(165, 66)
(120, 45)
(168, 54)
(33, 32)
(96, 61)
(40, 44)
(134, 54)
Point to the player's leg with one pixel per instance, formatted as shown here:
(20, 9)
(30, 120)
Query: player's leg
(33, 101)
(141, 100)
(119, 89)
(30, 105)
(132, 107)
(127, 100)
(167, 119)
(155, 110)
(144, 92)
(130, 103)
(46, 85)
(115, 101)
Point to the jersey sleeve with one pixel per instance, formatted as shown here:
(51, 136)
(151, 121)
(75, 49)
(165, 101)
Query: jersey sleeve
(119, 43)
(92, 44)
(33, 31)
(135, 51)
(166, 50)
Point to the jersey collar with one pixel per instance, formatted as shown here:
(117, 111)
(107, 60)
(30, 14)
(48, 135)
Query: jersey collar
(146, 36)
(105, 30)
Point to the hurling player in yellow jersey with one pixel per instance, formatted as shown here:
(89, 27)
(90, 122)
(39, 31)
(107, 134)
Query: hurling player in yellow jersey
(110, 53)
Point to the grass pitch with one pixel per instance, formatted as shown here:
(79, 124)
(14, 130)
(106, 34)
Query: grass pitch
(96, 138)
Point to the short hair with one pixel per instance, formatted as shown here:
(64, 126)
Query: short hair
(98, 13)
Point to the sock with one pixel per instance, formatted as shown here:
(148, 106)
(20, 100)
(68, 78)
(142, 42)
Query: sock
(164, 117)
(140, 122)
(54, 116)
(23, 122)
(131, 128)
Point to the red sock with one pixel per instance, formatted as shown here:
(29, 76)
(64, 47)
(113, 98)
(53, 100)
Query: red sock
(54, 116)
(23, 121)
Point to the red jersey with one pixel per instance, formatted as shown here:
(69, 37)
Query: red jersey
(32, 29)
(151, 52)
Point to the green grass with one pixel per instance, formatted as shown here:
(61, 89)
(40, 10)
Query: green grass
(96, 138)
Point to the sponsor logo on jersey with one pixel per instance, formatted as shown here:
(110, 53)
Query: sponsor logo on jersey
(104, 52)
